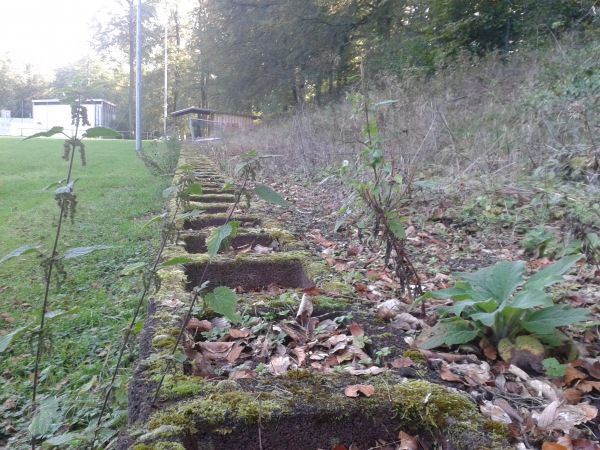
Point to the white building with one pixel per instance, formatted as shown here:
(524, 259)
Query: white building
(49, 113)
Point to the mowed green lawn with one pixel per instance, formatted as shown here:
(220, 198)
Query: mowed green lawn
(116, 195)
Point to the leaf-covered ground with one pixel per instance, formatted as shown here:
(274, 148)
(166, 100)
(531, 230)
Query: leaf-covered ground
(357, 320)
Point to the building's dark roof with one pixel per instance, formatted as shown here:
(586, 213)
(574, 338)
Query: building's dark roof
(193, 110)
(56, 101)
(206, 111)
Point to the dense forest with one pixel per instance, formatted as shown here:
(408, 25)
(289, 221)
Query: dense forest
(269, 56)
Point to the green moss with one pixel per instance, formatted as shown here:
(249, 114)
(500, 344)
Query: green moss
(163, 340)
(498, 430)
(183, 386)
(426, 406)
(329, 303)
(164, 316)
(214, 409)
(338, 287)
(415, 355)
(210, 198)
(178, 417)
(168, 446)
(209, 206)
(298, 374)
(162, 432)
(385, 336)
(316, 271)
(274, 257)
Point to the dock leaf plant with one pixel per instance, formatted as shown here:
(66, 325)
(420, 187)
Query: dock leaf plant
(494, 303)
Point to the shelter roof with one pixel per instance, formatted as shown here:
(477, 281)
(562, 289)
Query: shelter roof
(207, 111)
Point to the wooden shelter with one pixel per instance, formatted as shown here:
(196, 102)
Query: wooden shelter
(209, 124)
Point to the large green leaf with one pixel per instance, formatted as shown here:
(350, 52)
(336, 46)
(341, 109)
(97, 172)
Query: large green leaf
(397, 229)
(82, 251)
(51, 132)
(448, 332)
(531, 299)
(223, 301)
(7, 339)
(551, 274)
(63, 439)
(498, 281)
(175, 261)
(19, 252)
(269, 195)
(478, 305)
(213, 243)
(193, 213)
(194, 189)
(155, 219)
(168, 191)
(133, 267)
(486, 318)
(101, 132)
(546, 319)
(47, 418)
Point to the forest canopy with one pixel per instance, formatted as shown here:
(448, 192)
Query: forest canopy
(267, 56)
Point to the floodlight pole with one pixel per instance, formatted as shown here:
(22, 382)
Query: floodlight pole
(138, 78)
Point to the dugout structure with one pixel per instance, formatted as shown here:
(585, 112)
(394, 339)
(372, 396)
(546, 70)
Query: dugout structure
(208, 124)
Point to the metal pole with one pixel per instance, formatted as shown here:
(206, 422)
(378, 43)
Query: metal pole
(138, 79)
(166, 72)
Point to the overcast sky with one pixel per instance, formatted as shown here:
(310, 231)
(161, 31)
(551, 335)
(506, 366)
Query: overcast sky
(46, 33)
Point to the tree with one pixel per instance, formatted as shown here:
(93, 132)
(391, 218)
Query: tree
(117, 40)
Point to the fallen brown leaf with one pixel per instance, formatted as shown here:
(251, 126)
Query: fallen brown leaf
(9, 404)
(243, 249)
(339, 447)
(356, 330)
(557, 416)
(6, 318)
(565, 441)
(489, 350)
(242, 374)
(313, 290)
(571, 374)
(402, 362)
(279, 365)
(447, 375)
(173, 303)
(305, 310)
(494, 412)
(572, 396)
(355, 389)
(262, 250)
(585, 444)
(239, 334)
(408, 442)
(553, 446)
(587, 386)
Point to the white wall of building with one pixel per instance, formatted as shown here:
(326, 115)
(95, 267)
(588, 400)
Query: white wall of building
(49, 113)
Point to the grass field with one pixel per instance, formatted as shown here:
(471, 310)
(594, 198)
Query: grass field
(116, 195)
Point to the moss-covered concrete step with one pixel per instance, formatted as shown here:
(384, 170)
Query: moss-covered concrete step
(196, 242)
(213, 198)
(211, 208)
(215, 189)
(210, 178)
(210, 185)
(250, 272)
(216, 220)
(307, 411)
